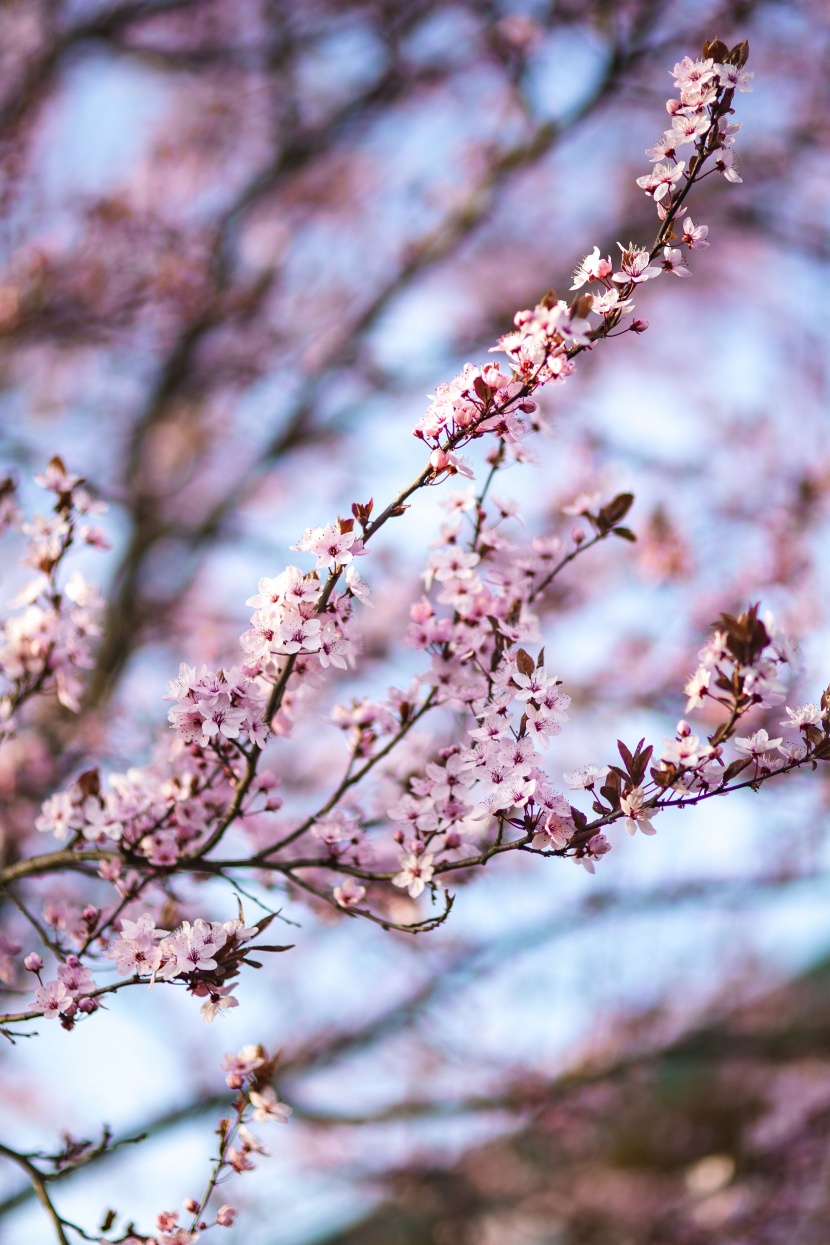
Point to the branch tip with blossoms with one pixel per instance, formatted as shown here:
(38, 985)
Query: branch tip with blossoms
(250, 1074)
(742, 669)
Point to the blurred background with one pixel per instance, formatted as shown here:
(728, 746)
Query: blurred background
(241, 240)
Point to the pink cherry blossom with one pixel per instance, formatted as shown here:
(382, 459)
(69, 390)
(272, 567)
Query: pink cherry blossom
(349, 893)
(268, 1108)
(694, 236)
(636, 816)
(592, 268)
(586, 777)
(755, 745)
(661, 180)
(52, 998)
(635, 266)
(415, 873)
(697, 688)
(673, 262)
(734, 78)
(804, 715)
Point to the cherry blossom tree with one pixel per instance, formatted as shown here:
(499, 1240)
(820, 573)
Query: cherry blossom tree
(179, 846)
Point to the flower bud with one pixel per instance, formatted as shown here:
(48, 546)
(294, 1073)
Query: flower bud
(421, 611)
(33, 962)
(578, 535)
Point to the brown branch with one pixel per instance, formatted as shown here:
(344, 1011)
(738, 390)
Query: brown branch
(51, 862)
(38, 1184)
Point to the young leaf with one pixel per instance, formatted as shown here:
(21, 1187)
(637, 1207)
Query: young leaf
(525, 662)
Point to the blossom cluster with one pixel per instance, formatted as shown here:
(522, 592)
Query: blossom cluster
(204, 955)
(45, 644)
(742, 662)
(291, 624)
(705, 88)
(215, 707)
(701, 120)
(546, 339)
(157, 812)
(479, 612)
(742, 669)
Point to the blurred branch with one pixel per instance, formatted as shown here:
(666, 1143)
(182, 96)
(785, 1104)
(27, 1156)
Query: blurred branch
(38, 72)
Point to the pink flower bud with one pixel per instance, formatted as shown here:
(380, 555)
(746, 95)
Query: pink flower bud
(492, 376)
(528, 406)
(234, 1081)
(225, 1216)
(598, 845)
(398, 836)
(191, 1205)
(438, 460)
(578, 535)
(673, 106)
(33, 962)
(88, 1006)
(683, 729)
(639, 325)
(420, 611)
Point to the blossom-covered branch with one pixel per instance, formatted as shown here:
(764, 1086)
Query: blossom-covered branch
(442, 775)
